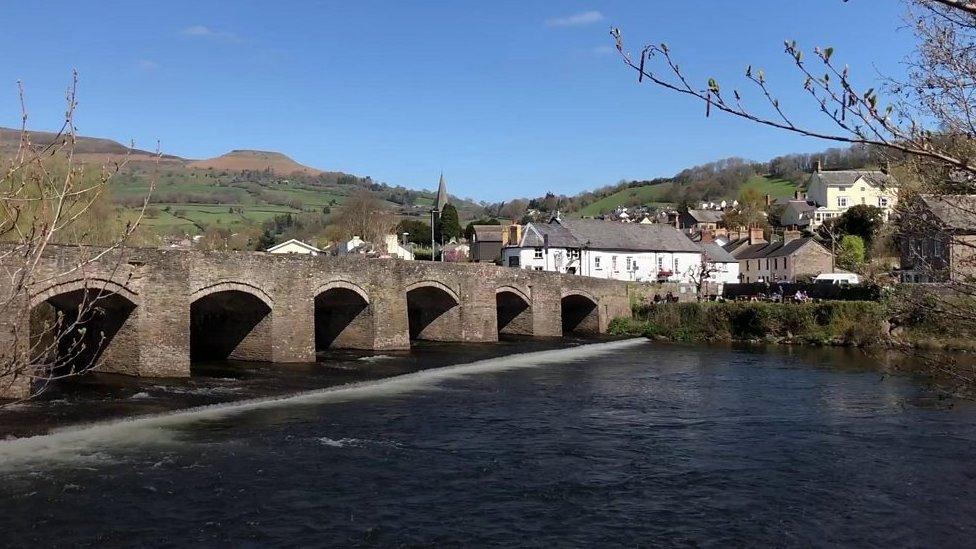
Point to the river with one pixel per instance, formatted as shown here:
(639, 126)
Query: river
(624, 443)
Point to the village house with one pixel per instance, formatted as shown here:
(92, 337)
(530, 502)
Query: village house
(486, 243)
(604, 249)
(700, 220)
(939, 239)
(722, 267)
(294, 246)
(833, 192)
(794, 257)
(393, 248)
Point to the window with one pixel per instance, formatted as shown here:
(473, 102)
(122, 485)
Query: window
(513, 261)
(630, 263)
(536, 268)
(841, 201)
(862, 200)
(596, 263)
(574, 254)
(538, 253)
(676, 264)
(882, 202)
(613, 262)
(660, 263)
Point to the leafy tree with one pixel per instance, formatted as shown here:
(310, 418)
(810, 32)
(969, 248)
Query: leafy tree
(418, 231)
(448, 227)
(751, 211)
(850, 252)
(861, 220)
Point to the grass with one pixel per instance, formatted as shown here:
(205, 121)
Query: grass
(654, 194)
(777, 188)
(648, 194)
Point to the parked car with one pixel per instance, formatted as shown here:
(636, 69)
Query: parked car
(837, 279)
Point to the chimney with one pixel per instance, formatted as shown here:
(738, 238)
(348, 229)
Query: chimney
(798, 195)
(790, 235)
(707, 236)
(819, 166)
(769, 200)
(756, 236)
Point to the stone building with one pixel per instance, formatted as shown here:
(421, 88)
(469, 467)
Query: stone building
(794, 257)
(939, 239)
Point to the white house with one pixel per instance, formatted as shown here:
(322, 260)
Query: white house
(294, 246)
(605, 249)
(397, 250)
(722, 267)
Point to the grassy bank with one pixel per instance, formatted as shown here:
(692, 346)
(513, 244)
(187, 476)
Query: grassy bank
(827, 323)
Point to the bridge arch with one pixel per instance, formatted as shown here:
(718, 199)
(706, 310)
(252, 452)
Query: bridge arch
(433, 311)
(85, 324)
(513, 309)
(231, 320)
(580, 313)
(344, 316)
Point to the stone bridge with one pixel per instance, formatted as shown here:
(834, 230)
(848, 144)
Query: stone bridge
(159, 310)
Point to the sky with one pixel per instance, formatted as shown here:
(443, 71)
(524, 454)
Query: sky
(507, 98)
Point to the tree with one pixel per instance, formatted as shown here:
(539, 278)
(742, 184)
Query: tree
(266, 241)
(850, 252)
(418, 232)
(751, 211)
(47, 198)
(448, 226)
(861, 220)
(364, 215)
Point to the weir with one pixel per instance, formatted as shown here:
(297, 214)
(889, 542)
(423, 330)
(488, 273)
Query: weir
(159, 310)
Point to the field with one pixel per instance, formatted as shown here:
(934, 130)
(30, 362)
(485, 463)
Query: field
(648, 194)
(653, 194)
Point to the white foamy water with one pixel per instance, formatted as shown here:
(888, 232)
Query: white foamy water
(90, 443)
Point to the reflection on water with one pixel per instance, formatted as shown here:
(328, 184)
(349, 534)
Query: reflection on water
(624, 443)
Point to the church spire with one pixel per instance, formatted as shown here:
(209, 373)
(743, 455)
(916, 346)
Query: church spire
(441, 199)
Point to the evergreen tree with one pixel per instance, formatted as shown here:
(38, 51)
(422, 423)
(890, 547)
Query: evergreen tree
(449, 226)
(266, 241)
(850, 252)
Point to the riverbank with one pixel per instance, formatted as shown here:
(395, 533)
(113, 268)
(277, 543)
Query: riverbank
(97, 397)
(930, 348)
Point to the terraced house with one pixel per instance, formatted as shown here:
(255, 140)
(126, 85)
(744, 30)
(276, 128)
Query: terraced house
(783, 260)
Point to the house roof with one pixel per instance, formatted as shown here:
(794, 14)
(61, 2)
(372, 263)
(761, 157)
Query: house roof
(741, 249)
(956, 212)
(801, 206)
(844, 178)
(706, 216)
(608, 235)
(488, 233)
(559, 236)
(716, 254)
(308, 247)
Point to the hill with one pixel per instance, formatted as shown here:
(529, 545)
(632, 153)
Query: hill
(240, 160)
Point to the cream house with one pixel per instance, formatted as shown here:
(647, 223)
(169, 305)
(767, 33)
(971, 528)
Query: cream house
(833, 192)
(294, 246)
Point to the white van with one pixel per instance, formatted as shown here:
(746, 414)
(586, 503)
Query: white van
(837, 279)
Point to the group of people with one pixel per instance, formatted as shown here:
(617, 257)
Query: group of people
(669, 298)
(799, 297)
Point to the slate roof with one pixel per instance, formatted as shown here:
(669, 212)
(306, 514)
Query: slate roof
(845, 178)
(559, 236)
(609, 235)
(716, 254)
(706, 216)
(637, 237)
(488, 233)
(741, 249)
(956, 212)
(301, 244)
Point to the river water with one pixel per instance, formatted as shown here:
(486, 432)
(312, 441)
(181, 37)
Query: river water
(625, 443)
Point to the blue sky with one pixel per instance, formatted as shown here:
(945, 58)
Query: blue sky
(507, 97)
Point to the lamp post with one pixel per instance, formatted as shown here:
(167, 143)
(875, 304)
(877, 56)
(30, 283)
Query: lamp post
(433, 223)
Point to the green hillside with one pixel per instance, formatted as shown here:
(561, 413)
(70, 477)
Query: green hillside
(656, 193)
(647, 194)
